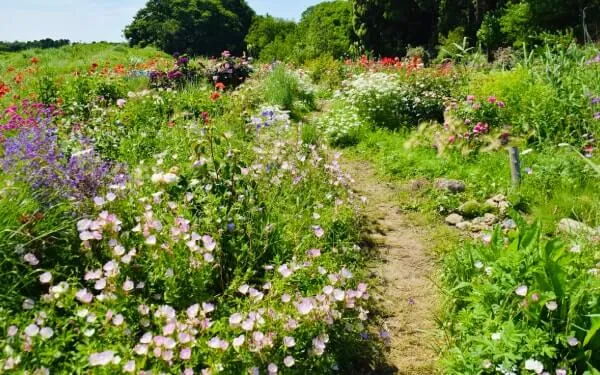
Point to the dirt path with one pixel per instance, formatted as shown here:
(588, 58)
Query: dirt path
(408, 297)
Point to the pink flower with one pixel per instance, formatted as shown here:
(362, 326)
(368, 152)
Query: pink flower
(121, 103)
(239, 341)
(101, 359)
(208, 307)
(470, 98)
(522, 290)
(284, 271)
(193, 311)
(289, 342)
(32, 330)
(235, 319)
(272, 368)
(46, 278)
(31, 259)
(129, 366)
(492, 99)
(318, 231)
(185, 354)
(84, 296)
(305, 306)
(572, 341)
(209, 243)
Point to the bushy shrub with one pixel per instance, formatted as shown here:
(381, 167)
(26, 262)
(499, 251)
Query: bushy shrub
(387, 100)
(228, 72)
(327, 71)
(184, 71)
(342, 125)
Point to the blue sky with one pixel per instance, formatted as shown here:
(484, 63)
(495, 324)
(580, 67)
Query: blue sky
(89, 20)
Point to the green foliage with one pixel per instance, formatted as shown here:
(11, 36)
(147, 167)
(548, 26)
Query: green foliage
(519, 299)
(326, 28)
(228, 211)
(327, 71)
(266, 30)
(448, 44)
(285, 90)
(399, 100)
(41, 44)
(342, 125)
(516, 23)
(388, 27)
(205, 27)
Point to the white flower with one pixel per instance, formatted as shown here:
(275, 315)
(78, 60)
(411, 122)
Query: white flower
(129, 366)
(289, 342)
(46, 332)
(522, 290)
(289, 361)
(45, 278)
(128, 285)
(496, 336)
(239, 341)
(534, 365)
(102, 359)
(305, 306)
(28, 304)
(235, 319)
(552, 305)
(32, 330)
(170, 178)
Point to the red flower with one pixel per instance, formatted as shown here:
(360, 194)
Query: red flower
(205, 117)
(220, 86)
(34, 60)
(4, 89)
(214, 96)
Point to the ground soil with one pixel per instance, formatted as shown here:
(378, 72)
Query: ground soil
(405, 269)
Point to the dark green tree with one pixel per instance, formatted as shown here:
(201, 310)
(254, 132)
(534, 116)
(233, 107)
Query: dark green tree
(326, 28)
(388, 27)
(201, 27)
(266, 30)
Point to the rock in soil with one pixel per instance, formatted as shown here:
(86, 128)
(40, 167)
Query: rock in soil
(454, 219)
(452, 186)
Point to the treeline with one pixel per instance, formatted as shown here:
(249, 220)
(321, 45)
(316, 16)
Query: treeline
(42, 44)
(348, 28)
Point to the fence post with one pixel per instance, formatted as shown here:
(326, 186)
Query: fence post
(515, 166)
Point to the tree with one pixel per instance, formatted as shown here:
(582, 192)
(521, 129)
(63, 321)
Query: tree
(266, 30)
(388, 27)
(204, 27)
(326, 28)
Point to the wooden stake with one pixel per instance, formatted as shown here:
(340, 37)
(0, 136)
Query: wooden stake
(515, 166)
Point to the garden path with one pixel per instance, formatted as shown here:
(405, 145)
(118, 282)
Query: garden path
(405, 268)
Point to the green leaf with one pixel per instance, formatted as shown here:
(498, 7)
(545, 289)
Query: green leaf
(592, 331)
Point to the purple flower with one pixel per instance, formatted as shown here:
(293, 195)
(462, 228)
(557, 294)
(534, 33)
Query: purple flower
(174, 74)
